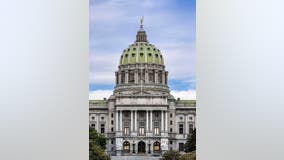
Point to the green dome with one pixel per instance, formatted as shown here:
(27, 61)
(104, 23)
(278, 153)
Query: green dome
(141, 52)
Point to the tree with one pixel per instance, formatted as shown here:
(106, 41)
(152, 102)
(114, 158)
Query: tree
(97, 145)
(190, 144)
(171, 155)
(189, 156)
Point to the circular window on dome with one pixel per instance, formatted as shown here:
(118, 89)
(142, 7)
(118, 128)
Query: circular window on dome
(150, 54)
(133, 54)
(141, 54)
(126, 55)
(154, 49)
(148, 49)
(156, 55)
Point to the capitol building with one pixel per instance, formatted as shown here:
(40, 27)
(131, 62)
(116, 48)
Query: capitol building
(141, 117)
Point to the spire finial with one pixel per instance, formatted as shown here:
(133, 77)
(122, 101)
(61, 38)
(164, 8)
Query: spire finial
(141, 21)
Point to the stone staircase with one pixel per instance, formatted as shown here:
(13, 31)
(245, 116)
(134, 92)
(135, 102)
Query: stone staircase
(134, 158)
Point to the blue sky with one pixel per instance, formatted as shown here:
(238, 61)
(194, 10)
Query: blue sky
(170, 26)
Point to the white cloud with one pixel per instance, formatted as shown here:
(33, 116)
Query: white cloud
(184, 94)
(188, 94)
(100, 94)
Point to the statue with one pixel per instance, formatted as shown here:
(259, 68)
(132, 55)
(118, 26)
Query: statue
(141, 20)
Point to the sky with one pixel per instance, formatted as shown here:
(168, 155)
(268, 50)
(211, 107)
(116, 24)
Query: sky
(169, 25)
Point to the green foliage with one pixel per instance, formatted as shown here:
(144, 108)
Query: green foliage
(189, 156)
(190, 144)
(97, 145)
(171, 155)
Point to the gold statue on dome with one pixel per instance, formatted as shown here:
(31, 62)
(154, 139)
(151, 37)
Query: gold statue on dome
(141, 20)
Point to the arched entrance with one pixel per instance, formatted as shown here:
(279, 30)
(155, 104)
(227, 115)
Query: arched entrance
(141, 147)
(126, 147)
(156, 147)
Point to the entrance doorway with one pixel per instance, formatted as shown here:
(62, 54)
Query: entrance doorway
(141, 147)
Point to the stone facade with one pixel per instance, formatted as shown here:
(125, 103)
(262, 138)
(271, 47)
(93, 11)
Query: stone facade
(142, 117)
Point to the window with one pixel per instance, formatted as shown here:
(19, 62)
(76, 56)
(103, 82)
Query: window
(93, 117)
(154, 49)
(171, 142)
(126, 131)
(126, 114)
(112, 141)
(156, 131)
(141, 48)
(134, 49)
(102, 118)
(181, 129)
(190, 128)
(171, 122)
(102, 128)
(180, 146)
(112, 129)
(171, 130)
(141, 54)
(148, 49)
(171, 115)
(156, 55)
(112, 115)
(190, 118)
(156, 114)
(149, 54)
(126, 147)
(141, 131)
(93, 125)
(111, 121)
(126, 55)
(133, 54)
(156, 146)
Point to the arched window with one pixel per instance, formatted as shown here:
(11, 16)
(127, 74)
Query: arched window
(156, 147)
(126, 147)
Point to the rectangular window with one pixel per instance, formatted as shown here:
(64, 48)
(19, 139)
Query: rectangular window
(156, 131)
(102, 128)
(181, 129)
(171, 122)
(180, 146)
(126, 131)
(112, 115)
(141, 131)
(111, 121)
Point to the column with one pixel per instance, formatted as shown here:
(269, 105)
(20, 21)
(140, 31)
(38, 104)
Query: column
(120, 120)
(126, 77)
(147, 121)
(156, 76)
(119, 77)
(116, 121)
(163, 77)
(162, 121)
(186, 125)
(135, 121)
(97, 125)
(146, 76)
(136, 76)
(131, 121)
(151, 121)
(166, 121)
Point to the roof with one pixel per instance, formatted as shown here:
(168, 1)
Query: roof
(98, 101)
(186, 102)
